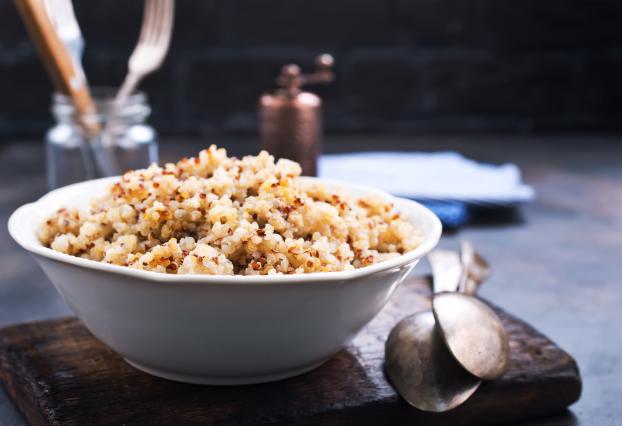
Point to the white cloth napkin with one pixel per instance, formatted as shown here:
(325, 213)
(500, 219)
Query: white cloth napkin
(430, 176)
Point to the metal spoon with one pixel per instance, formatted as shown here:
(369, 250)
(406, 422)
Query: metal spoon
(423, 369)
(417, 360)
(472, 331)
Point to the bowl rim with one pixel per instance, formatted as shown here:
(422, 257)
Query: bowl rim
(427, 245)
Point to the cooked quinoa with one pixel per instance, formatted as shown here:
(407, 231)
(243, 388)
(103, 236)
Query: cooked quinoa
(213, 214)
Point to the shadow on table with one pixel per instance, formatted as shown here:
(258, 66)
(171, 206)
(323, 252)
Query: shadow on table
(480, 217)
(484, 217)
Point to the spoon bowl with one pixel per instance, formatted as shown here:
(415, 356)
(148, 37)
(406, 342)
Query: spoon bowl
(473, 333)
(421, 367)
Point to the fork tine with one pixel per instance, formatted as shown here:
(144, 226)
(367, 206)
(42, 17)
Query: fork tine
(157, 22)
(164, 26)
(153, 44)
(167, 31)
(168, 28)
(146, 29)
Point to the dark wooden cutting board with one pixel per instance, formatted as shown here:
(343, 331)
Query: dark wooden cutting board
(59, 374)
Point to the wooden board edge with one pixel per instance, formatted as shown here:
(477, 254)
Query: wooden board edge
(17, 381)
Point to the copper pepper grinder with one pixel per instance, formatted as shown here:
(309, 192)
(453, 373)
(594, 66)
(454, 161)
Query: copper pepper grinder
(291, 120)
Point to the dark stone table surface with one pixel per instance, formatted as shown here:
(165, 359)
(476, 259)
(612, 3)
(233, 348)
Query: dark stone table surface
(557, 263)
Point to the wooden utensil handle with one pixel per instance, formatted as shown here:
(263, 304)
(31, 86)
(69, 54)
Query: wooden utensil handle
(57, 59)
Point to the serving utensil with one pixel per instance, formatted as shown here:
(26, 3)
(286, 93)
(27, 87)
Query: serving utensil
(153, 44)
(61, 68)
(472, 331)
(148, 55)
(416, 359)
(55, 56)
(437, 359)
(64, 20)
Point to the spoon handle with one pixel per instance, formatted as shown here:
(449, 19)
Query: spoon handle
(462, 272)
(475, 269)
(447, 270)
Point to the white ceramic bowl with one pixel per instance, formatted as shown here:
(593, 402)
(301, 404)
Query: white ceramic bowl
(219, 329)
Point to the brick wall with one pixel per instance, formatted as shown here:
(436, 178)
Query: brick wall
(406, 65)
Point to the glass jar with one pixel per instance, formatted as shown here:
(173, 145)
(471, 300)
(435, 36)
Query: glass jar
(116, 139)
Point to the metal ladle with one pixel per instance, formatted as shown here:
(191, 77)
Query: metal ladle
(429, 357)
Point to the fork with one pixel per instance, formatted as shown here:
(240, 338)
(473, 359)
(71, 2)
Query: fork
(152, 46)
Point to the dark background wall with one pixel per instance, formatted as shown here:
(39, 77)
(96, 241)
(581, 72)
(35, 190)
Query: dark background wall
(404, 65)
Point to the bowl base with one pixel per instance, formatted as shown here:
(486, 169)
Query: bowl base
(224, 380)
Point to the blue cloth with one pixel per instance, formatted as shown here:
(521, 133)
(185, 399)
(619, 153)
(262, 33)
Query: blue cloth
(453, 214)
